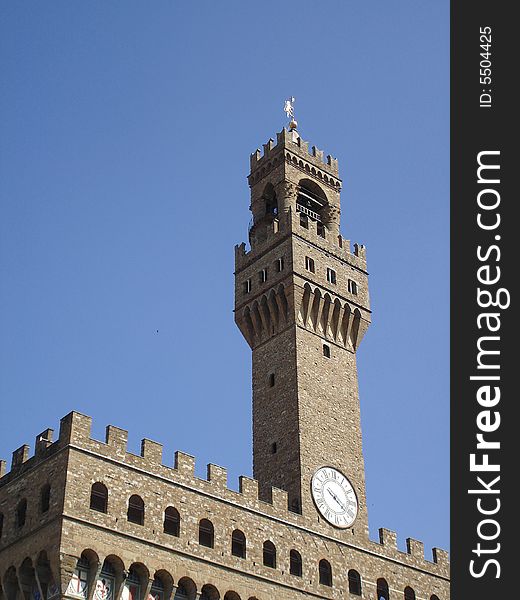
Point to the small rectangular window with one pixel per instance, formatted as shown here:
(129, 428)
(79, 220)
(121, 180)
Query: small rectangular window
(279, 265)
(247, 286)
(326, 351)
(304, 221)
(309, 264)
(271, 380)
(331, 276)
(262, 276)
(274, 448)
(352, 287)
(320, 229)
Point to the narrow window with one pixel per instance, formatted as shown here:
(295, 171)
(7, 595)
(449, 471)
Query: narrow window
(206, 533)
(354, 582)
(269, 555)
(295, 563)
(320, 228)
(279, 265)
(274, 448)
(331, 276)
(1, 524)
(271, 380)
(304, 221)
(309, 264)
(352, 287)
(247, 286)
(99, 497)
(21, 513)
(409, 594)
(326, 350)
(45, 498)
(382, 590)
(238, 544)
(172, 521)
(262, 276)
(135, 512)
(325, 573)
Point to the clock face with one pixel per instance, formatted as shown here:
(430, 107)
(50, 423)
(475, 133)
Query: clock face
(334, 497)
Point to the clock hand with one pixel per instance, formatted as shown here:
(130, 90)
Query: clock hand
(338, 501)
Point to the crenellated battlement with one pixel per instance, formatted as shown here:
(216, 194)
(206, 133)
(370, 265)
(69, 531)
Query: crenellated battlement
(75, 433)
(296, 147)
(339, 247)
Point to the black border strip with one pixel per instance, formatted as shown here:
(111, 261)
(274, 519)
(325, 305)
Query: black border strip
(482, 122)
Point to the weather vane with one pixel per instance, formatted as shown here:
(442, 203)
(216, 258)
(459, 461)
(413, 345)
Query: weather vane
(288, 108)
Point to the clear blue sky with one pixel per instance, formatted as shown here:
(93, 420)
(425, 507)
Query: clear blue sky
(125, 137)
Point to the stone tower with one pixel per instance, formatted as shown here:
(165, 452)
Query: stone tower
(302, 304)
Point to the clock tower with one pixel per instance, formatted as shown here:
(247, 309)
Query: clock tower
(302, 304)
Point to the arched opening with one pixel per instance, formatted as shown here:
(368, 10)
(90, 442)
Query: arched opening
(135, 512)
(295, 563)
(409, 593)
(172, 521)
(230, 595)
(106, 582)
(325, 571)
(269, 554)
(45, 498)
(206, 533)
(11, 588)
(135, 582)
(162, 585)
(48, 584)
(238, 544)
(311, 200)
(26, 576)
(186, 589)
(434, 597)
(21, 513)
(354, 582)
(271, 202)
(78, 584)
(99, 497)
(382, 590)
(209, 592)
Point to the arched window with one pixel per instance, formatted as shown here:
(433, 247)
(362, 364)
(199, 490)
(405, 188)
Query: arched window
(354, 582)
(269, 554)
(135, 512)
(21, 513)
(99, 497)
(172, 521)
(157, 588)
(271, 203)
(434, 597)
(238, 544)
(409, 594)
(325, 572)
(206, 533)
(45, 498)
(186, 588)
(209, 592)
(295, 563)
(382, 590)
